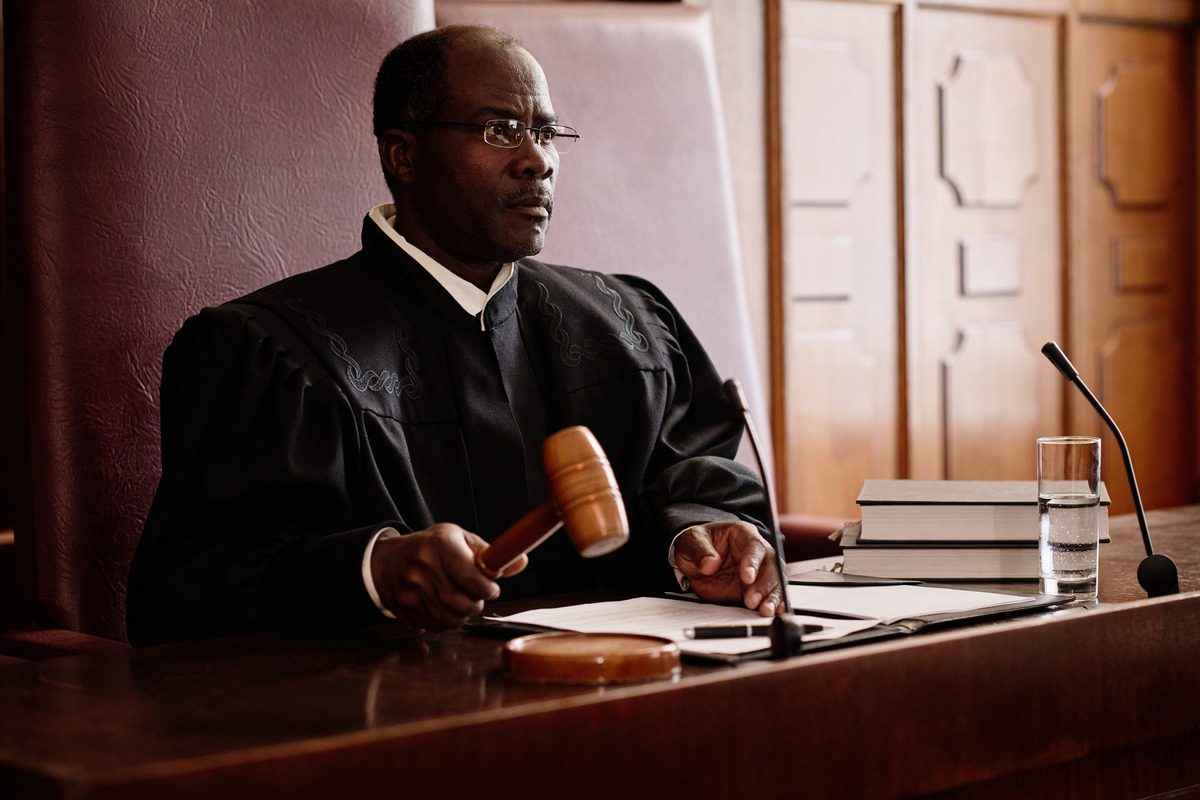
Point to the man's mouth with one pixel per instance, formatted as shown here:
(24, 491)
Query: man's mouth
(535, 203)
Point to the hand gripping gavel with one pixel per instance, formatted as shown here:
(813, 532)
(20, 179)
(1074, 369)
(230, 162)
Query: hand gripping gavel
(584, 499)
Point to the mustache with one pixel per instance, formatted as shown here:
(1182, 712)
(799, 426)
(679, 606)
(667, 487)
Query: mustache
(530, 196)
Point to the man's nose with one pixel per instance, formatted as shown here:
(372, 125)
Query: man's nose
(535, 159)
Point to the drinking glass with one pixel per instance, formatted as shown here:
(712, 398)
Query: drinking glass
(1069, 514)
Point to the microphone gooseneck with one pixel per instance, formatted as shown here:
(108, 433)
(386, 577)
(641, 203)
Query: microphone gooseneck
(787, 636)
(1157, 573)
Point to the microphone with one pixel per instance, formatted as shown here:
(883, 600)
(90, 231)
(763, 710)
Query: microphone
(1157, 573)
(787, 635)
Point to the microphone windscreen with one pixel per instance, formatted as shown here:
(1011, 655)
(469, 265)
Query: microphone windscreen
(1158, 575)
(1059, 359)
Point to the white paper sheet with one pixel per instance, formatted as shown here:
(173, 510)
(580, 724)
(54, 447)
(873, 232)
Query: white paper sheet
(892, 603)
(658, 616)
(868, 605)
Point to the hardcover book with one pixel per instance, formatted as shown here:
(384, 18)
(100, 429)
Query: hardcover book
(954, 511)
(940, 561)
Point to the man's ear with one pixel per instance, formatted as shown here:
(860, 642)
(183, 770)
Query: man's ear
(396, 156)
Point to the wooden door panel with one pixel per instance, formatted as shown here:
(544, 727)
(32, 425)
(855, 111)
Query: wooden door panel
(989, 422)
(1146, 404)
(984, 263)
(839, 242)
(1130, 281)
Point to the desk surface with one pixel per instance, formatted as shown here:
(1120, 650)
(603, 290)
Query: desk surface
(1095, 702)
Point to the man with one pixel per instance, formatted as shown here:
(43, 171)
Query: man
(339, 445)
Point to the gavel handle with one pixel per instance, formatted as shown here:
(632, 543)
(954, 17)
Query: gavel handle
(524, 535)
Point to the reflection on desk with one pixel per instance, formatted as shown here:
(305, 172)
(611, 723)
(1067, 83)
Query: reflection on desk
(1084, 703)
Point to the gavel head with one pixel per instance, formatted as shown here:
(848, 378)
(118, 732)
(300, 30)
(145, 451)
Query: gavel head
(585, 492)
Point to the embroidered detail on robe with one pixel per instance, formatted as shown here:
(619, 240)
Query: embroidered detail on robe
(370, 380)
(573, 354)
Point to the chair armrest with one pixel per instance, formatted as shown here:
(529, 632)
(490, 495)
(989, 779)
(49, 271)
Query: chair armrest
(807, 536)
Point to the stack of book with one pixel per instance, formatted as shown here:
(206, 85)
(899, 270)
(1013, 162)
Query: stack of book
(948, 530)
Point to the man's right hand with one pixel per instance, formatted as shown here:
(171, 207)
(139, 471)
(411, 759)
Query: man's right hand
(429, 580)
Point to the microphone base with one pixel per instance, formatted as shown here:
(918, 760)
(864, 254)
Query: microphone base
(1157, 574)
(787, 637)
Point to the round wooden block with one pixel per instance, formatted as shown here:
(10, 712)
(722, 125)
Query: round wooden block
(590, 658)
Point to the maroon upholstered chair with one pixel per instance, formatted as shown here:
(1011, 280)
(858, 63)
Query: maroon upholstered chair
(648, 189)
(162, 157)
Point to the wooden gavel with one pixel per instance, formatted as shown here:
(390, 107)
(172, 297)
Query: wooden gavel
(584, 499)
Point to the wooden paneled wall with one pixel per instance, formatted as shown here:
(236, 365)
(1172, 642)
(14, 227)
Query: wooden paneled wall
(839, 248)
(1132, 268)
(957, 182)
(985, 257)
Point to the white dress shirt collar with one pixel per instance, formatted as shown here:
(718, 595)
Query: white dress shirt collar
(472, 299)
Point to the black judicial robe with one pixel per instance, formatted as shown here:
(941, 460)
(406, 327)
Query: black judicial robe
(298, 420)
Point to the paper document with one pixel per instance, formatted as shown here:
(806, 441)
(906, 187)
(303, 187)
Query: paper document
(659, 616)
(892, 603)
(858, 608)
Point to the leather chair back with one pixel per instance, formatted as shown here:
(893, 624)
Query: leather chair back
(162, 157)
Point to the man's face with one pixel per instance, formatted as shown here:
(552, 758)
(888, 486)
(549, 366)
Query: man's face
(480, 204)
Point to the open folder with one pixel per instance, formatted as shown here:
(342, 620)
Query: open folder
(836, 615)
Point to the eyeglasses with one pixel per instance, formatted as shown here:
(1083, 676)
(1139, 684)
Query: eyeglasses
(509, 133)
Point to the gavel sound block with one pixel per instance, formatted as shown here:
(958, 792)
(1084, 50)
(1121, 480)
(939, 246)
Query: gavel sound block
(584, 499)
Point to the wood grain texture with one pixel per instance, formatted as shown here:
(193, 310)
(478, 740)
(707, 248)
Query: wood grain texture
(1062, 134)
(840, 265)
(1137, 159)
(827, 151)
(989, 265)
(1097, 702)
(1131, 271)
(1045, 8)
(1170, 11)
(1142, 263)
(977, 389)
(988, 115)
(977, 402)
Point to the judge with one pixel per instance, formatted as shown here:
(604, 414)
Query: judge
(337, 446)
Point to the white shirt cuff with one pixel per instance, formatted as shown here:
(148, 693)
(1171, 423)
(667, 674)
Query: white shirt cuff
(368, 580)
(684, 584)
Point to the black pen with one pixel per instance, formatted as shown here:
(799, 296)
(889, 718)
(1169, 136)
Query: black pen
(736, 631)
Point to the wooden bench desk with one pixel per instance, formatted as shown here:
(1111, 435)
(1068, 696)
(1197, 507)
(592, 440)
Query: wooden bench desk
(1101, 702)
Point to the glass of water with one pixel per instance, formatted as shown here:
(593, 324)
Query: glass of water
(1069, 513)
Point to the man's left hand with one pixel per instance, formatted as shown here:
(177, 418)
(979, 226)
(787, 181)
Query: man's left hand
(728, 562)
